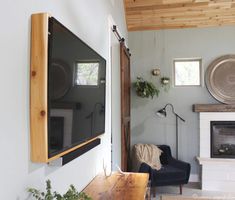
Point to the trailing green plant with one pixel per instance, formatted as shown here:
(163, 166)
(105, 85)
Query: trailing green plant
(145, 89)
(71, 194)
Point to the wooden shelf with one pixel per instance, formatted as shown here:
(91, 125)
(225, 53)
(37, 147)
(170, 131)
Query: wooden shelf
(213, 108)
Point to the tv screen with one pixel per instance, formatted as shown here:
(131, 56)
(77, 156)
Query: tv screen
(76, 82)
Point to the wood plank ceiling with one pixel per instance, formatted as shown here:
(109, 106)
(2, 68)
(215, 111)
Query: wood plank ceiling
(172, 14)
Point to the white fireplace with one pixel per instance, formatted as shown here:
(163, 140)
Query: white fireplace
(217, 174)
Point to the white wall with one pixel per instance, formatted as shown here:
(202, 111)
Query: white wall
(89, 20)
(151, 49)
(116, 104)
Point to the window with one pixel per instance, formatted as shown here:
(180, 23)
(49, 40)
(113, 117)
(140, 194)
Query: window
(187, 72)
(87, 73)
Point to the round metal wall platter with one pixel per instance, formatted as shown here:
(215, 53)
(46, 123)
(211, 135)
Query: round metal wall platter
(220, 79)
(60, 79)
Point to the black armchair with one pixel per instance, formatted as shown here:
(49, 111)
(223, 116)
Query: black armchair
(173, 172)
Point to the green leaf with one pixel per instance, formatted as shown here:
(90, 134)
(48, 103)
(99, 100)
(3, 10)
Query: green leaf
(145, 89)
(71, 194)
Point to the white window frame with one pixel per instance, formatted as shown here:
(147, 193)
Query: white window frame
(188, 60)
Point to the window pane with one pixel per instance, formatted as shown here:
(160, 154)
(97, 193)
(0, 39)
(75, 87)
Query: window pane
(87, 74)
(187, 72)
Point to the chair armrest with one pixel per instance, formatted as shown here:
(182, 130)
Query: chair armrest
(180, 165)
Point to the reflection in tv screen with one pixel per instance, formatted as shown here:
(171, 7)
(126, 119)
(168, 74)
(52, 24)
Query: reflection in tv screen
(87, 73)
(76, 110)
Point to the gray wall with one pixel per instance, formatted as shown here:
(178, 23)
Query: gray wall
(88, 19)
(151, 49)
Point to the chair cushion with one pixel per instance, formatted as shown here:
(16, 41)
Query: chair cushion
(168, 175)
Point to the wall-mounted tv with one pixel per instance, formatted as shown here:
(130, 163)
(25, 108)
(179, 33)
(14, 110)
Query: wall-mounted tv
(76, 94)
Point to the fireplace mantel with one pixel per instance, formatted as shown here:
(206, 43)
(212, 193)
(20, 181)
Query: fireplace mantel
(213, 108)
(215, 160)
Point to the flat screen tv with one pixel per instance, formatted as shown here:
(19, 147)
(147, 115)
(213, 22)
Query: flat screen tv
(76, 90)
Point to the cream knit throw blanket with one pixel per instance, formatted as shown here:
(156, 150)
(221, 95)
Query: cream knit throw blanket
(148, 153)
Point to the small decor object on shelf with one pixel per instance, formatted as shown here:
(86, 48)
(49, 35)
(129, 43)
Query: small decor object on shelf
(156, 72)
(71, 194)
(165, 80)
(145, 89)
(165, 83)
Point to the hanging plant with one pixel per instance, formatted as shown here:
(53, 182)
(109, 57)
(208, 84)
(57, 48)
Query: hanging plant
(145, 89)
(165, 83)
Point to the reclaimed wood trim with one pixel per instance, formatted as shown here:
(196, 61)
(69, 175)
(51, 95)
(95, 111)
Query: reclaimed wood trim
(39, 92)
(213, 108)
(125, 107)
(38, 87)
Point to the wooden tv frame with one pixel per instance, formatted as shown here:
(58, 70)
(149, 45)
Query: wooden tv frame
(39, 91)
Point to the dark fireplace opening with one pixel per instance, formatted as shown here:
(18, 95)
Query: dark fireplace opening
(223, 139)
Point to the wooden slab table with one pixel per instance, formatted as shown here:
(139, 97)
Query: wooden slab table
(127, 186)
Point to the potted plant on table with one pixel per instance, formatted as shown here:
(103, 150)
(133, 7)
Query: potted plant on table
(71, 194)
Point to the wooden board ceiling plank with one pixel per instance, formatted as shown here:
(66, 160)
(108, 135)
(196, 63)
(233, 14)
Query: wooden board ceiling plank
(168, 13)
(189, 14)
(198, 16)
(143, 28)
(186, 15)
(137, 3)
(174, 26)
(166, 6)
(177, 10)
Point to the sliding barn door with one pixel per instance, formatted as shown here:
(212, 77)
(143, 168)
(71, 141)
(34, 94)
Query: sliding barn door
(125, 107)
